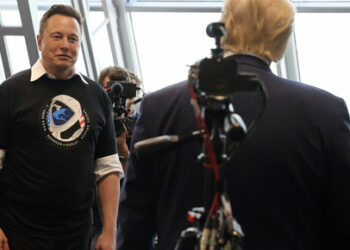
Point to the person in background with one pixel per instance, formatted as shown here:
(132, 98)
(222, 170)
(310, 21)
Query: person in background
(56, 142)
(124, 127)
(119, 74)
(288, 182)
(116, 73)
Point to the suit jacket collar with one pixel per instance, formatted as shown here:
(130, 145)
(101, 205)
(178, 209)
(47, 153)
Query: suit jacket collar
(251, 60)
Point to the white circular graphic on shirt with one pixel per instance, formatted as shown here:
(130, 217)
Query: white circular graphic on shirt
(63, 121)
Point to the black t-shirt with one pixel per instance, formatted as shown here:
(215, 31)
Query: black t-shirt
(53, 131)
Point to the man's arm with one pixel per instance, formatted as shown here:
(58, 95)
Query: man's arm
(108, 196)
(123, 151)
(3, 241)
(2, 157)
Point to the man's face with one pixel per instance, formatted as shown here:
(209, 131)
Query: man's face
(59, 45)
(104, 83)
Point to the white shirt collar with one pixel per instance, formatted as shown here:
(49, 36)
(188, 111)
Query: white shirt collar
(38, 70)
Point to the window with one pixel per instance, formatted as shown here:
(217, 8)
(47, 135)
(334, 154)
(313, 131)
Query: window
(18, 55)
(168, 43)
(100, 40)
(323, 51)
(10, 17)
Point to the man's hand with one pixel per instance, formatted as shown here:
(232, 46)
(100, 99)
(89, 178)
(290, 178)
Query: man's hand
(106, 241)
(108, 196)
(3, 241)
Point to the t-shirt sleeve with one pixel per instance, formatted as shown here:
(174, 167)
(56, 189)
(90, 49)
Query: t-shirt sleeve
(108, 165)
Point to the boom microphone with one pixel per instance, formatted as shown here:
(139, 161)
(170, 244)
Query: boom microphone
(137, 101)
(162, 143)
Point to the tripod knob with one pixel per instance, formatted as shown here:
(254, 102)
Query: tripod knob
(235, 127)
(188, 239)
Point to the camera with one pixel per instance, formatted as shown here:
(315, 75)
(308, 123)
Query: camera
(118, 92)
(219, 76)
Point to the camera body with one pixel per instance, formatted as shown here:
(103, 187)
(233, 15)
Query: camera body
(219, 77)
(128, 89)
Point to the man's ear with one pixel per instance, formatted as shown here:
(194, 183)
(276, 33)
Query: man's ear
(39, 40)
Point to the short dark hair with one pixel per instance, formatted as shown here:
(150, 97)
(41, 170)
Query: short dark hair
(59, 9)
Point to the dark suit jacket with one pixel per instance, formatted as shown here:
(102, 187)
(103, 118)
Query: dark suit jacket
(289, 182)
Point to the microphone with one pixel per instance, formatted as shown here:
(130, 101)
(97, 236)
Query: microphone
(216, 30)
(162, 143)
(117, 89)
(137, 101)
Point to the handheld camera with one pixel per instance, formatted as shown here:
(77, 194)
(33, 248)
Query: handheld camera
(118, 92)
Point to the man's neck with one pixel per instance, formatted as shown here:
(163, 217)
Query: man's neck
(62, 75)
(59, 73)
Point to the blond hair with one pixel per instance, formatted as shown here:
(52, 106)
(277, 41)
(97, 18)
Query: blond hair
(260, 27)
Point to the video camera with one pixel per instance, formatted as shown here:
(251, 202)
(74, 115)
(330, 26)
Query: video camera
(119, 92)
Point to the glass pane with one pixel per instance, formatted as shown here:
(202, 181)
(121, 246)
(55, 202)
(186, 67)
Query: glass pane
(40, 14)
(100, 40)
(166, 48)
(323, 51)
(80, 64)
(273, 67)
(9, 14)
(17, 50)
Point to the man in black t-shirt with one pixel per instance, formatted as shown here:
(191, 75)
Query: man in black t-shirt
(57, 140)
